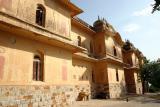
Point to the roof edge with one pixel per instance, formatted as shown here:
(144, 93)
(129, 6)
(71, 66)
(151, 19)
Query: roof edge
(75, 10)
(83, 24)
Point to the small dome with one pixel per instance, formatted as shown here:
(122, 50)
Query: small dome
(98, 23)
(102, 25)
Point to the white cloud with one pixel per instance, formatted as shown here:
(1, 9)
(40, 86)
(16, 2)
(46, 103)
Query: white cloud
(131, 28)
(144, 12)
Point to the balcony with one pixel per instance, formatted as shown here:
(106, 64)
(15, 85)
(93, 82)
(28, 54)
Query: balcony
(113, 56)
(19, 27)
(131, 66)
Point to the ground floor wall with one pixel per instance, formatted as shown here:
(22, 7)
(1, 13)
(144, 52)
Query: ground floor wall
(133, 83)
(40, 96)
(110, 81)
(17, 58)
(139, 89)
(130, 81)
(100, 81)
(82, 71)
(116, 80)
(59, 86)
(138, 83)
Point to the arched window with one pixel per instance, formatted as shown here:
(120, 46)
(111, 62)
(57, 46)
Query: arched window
(114, 51)
(79, 41)
(38, 68)
(40, 15)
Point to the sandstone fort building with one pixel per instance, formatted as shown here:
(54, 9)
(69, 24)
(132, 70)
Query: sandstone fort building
(48, 56)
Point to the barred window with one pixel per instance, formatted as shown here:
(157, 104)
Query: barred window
(37, 68)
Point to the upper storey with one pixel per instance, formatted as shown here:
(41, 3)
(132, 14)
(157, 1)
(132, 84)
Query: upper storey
(54, 23)
(82, 34)
(50, 15)
(108, 42)
(132, 57)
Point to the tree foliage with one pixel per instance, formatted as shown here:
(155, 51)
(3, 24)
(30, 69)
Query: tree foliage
(150, 73)
(155, 75)
(156, 6)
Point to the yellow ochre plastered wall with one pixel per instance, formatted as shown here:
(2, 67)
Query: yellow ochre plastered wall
(100, 73)
(116, 88)
(112, 74)
(18, 54)
(81, 71)
(86, 38)
(110, 43)
(57, 18)
(135, 59)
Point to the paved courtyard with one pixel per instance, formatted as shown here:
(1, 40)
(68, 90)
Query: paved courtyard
(133, 102)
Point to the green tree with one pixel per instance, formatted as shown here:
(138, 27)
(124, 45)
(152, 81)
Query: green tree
(156, 6)
(145, 75)
(150, 73)
(155, 75)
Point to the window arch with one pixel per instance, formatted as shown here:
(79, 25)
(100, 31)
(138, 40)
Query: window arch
(38, 68)
(114, 51)
(40, 15)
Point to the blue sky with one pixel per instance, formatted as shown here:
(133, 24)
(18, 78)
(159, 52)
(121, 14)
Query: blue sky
(131, 18)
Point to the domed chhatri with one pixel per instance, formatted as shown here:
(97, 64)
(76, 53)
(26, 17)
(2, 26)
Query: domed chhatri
(102, 25)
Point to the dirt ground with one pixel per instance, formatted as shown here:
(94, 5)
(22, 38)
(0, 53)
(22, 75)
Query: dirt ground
(140, 101)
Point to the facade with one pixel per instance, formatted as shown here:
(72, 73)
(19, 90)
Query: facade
(133, 60)
(48, 56)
